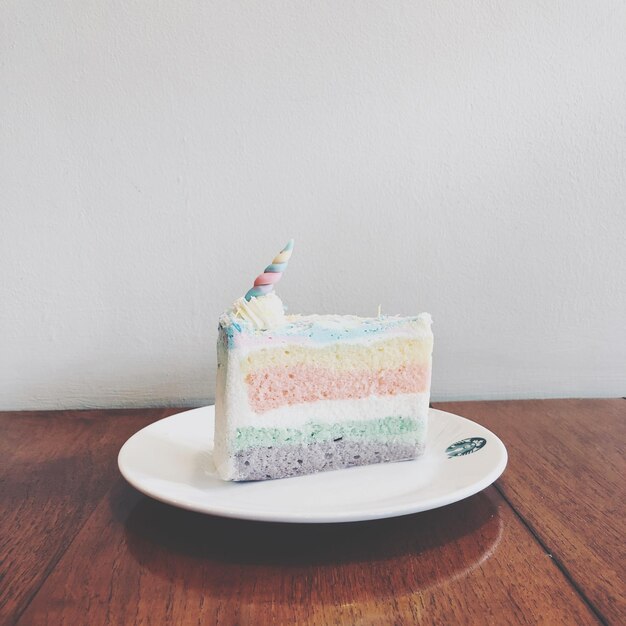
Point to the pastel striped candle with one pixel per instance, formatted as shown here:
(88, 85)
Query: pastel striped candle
(264, 283)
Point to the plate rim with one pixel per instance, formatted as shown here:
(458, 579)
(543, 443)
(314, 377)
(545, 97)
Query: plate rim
(263, 515)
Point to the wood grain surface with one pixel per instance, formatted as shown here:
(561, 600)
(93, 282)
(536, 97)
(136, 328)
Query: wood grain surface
(136, 559)
(55, 466)
(567, 478)
(80, 546)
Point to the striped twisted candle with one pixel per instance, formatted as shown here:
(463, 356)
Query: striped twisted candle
(264, 283)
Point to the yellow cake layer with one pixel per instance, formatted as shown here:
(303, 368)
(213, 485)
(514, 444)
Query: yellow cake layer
(389, 353)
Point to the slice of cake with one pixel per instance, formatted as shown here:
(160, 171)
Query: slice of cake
(298, 394)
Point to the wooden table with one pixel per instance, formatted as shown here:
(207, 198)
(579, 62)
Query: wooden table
(543, 546)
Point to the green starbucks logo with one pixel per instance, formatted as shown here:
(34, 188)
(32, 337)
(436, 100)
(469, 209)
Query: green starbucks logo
(465, 446)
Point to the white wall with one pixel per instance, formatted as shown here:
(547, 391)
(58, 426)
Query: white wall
(465, 158)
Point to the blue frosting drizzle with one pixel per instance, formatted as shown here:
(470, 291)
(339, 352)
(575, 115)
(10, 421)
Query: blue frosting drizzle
(317, 331)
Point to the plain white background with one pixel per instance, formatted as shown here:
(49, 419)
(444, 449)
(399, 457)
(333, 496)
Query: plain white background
(464, 158)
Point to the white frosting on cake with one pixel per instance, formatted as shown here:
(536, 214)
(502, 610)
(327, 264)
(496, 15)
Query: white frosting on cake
(262, 312)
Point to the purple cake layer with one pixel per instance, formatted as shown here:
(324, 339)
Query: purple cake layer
(262, 463)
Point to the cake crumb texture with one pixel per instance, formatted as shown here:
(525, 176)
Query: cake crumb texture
(264, 463)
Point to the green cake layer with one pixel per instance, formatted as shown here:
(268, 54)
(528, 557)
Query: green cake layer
(388, 429)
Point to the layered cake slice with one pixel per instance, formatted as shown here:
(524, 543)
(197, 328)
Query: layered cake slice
(298, 394)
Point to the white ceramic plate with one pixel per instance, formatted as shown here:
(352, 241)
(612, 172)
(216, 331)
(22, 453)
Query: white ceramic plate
(171, 461)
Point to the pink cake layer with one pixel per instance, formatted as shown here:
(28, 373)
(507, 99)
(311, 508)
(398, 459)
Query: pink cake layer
(273, 387)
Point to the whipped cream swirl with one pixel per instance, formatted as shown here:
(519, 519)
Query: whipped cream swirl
(262, 312)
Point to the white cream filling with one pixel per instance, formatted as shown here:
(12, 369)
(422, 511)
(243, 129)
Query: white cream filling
(412, 405)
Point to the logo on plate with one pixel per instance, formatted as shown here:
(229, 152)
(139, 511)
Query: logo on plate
(465, 446)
